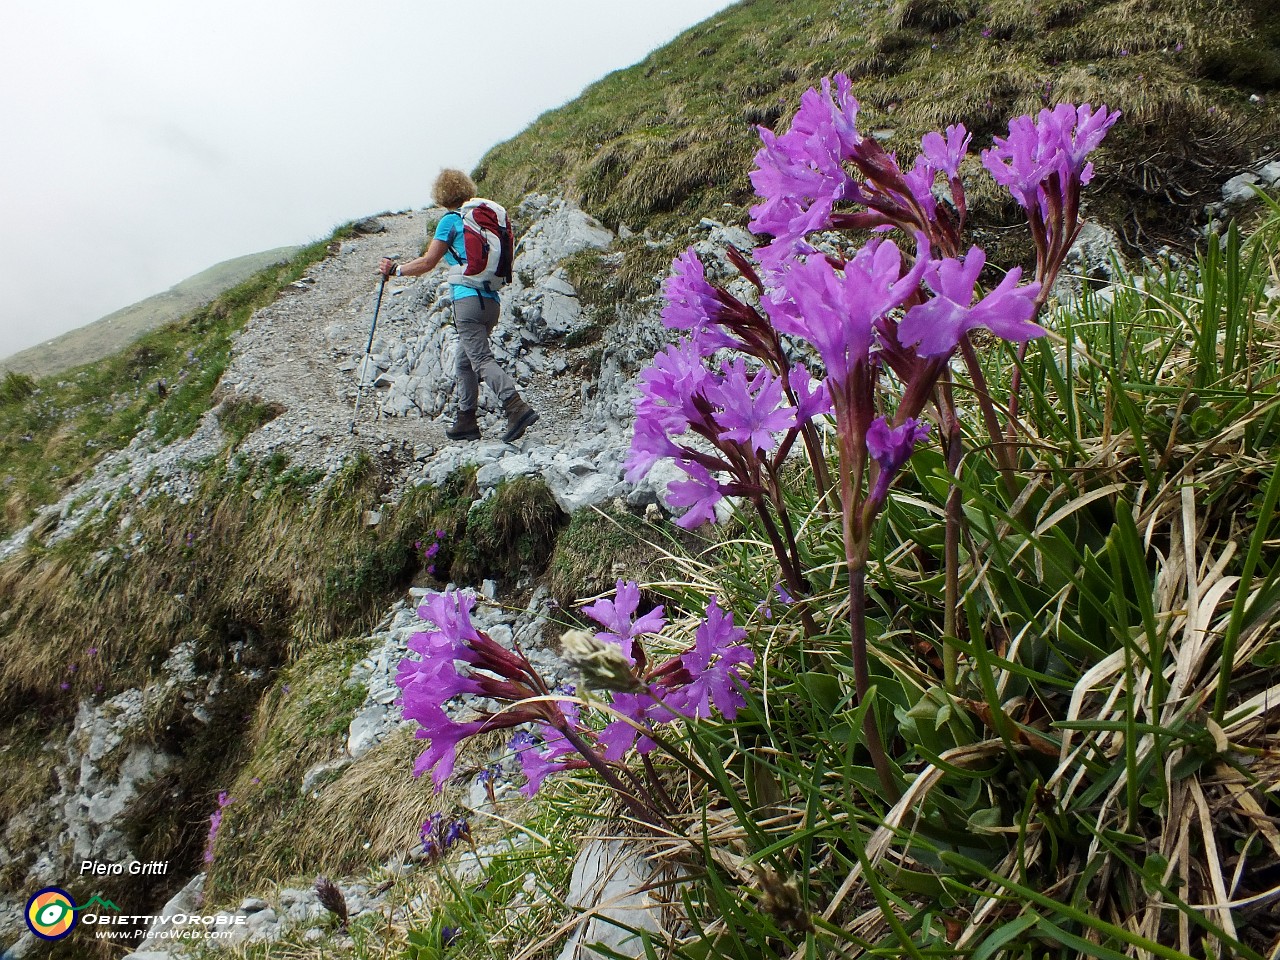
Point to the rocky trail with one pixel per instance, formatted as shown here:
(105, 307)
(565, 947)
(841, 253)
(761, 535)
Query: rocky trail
(305, 351)
(303, 357)
(306, 354)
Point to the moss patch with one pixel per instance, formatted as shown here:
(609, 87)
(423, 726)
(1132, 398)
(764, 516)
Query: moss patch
(595, 550)
(512, 532)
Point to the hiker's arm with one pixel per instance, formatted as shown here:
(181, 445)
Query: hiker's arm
(418, 266)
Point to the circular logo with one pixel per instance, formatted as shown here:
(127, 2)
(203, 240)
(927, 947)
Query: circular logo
(51, 914)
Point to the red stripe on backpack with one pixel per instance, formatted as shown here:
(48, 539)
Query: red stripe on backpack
(489, 242)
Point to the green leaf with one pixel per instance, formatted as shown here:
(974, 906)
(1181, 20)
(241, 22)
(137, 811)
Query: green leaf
(824, 690)
(1004, 934)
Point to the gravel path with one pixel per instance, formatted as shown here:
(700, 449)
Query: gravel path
(299, 352)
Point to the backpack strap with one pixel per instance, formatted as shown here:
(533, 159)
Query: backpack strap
(456, 239)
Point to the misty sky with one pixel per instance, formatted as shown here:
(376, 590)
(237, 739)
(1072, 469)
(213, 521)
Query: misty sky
(143, 141)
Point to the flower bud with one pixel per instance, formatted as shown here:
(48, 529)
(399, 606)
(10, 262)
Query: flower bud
(602, 664)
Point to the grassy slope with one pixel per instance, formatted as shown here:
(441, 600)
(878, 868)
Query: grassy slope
(118, 330)
(670, 139)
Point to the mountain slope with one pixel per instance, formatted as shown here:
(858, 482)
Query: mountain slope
(117, 330)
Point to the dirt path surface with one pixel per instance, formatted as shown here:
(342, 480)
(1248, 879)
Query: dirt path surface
(302, 352)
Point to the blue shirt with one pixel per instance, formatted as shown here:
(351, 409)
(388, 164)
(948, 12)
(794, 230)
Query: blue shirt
(449, 232)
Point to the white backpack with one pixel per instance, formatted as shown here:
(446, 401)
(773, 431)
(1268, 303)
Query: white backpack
(489, 241)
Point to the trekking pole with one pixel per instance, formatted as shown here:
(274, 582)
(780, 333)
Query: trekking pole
(364, 364)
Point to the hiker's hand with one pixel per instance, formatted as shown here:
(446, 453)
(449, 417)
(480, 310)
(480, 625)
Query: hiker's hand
(387, 267)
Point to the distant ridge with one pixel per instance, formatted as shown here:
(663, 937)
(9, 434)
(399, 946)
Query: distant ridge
(106, 336)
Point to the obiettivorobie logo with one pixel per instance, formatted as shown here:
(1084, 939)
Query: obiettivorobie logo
(51, 913)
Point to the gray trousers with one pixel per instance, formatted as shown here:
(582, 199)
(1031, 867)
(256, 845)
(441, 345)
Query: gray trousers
(475, 318)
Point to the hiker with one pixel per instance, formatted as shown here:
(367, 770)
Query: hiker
(475, 314)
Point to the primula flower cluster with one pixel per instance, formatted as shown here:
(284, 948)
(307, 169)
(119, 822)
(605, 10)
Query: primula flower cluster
(1043, 163)
(823, 161)
(487, 670)
(430, 550)
(687, 686)
(749, 417)
(456, 658)
(880, 307)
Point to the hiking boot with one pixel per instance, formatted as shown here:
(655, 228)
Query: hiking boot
(464, 427)
(520, 417)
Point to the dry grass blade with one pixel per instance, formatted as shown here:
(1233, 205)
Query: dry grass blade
(1213, 862)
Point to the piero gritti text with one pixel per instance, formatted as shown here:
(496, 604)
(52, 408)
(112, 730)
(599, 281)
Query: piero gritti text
(133, 868)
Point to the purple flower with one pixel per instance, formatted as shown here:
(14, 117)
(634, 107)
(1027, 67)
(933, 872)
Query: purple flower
(215, 824)
(891, 447)
(944, 154)
(521, 739)
(64, 685)
(714, 662)
(938, 324)
(641, 711)
(668, 387)
(618, 616)
(1058, 142)
(1080, 131)
(707, 674)
(649, 444)
(451, 614)
(428, 831)
(837, 311)
(445, 735)
(92, 651)
(458, 830)
(1021, 162)
(432, 680)
(437, 838)
(750, 412)
(920, 184)
(539, 761)
(801, 174)
(700, 493)
(692, 302)
(490, 670)
(812, 396)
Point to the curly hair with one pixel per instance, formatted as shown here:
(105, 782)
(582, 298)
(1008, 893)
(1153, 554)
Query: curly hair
(452, 189)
